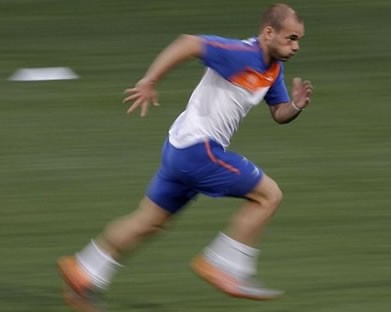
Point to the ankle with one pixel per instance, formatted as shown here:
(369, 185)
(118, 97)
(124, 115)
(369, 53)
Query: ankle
(232, 255)
(98, 265)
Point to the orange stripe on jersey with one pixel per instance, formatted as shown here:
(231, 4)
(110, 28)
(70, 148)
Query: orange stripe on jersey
(252, 80)
(219, 161)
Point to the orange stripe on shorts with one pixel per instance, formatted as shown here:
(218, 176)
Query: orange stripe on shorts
(219, 161)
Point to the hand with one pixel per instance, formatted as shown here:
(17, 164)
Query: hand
(301, 92)
(142, 95)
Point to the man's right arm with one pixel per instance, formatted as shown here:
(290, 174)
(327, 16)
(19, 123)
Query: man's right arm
(183, 48)
(144, 92)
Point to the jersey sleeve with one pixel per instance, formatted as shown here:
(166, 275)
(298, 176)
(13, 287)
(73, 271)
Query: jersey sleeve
(223, 55)
(278, 92)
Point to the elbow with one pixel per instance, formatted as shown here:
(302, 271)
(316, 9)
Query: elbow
(281, 121)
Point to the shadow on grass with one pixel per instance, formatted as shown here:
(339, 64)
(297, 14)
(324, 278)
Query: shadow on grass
(27, 298)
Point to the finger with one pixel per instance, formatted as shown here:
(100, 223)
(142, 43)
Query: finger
(131, 98)
(135, 105)
(129, 93)
(131, 109)
(307, 83)
(130, 90)
(155, 101)
(308, 86)
(296, 82)
(144, 108)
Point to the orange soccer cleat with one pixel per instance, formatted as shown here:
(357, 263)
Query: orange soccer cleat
(241, 287)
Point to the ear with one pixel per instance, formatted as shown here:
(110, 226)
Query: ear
(268, 33)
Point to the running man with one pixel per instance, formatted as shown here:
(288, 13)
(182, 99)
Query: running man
(195, 159)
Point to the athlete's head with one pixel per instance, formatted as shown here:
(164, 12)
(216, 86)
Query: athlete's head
(280, 32)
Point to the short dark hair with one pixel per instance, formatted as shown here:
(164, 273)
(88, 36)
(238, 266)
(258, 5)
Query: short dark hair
(276, 14)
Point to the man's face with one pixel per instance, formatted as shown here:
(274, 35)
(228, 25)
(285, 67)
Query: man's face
(284, 43)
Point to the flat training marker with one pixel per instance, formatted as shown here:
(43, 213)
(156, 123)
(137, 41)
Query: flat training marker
(43, 74)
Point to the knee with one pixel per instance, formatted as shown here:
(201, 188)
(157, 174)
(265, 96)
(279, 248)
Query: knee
(275, 197)
(145, 225)
(270, 199)
(152, 227)
(149, 218)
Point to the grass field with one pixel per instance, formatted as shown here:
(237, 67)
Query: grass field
(71, 159)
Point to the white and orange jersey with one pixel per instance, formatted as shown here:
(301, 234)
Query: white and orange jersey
(236, 79)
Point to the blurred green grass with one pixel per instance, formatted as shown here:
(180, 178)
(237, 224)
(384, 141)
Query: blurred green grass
(70, 158)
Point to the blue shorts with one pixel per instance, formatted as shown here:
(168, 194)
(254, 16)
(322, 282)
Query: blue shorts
(201, 168)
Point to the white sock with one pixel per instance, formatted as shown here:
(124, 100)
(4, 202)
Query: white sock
(232, 255)
(100, 266)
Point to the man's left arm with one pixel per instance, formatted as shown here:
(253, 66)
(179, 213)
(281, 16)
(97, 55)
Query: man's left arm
(300, 98)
